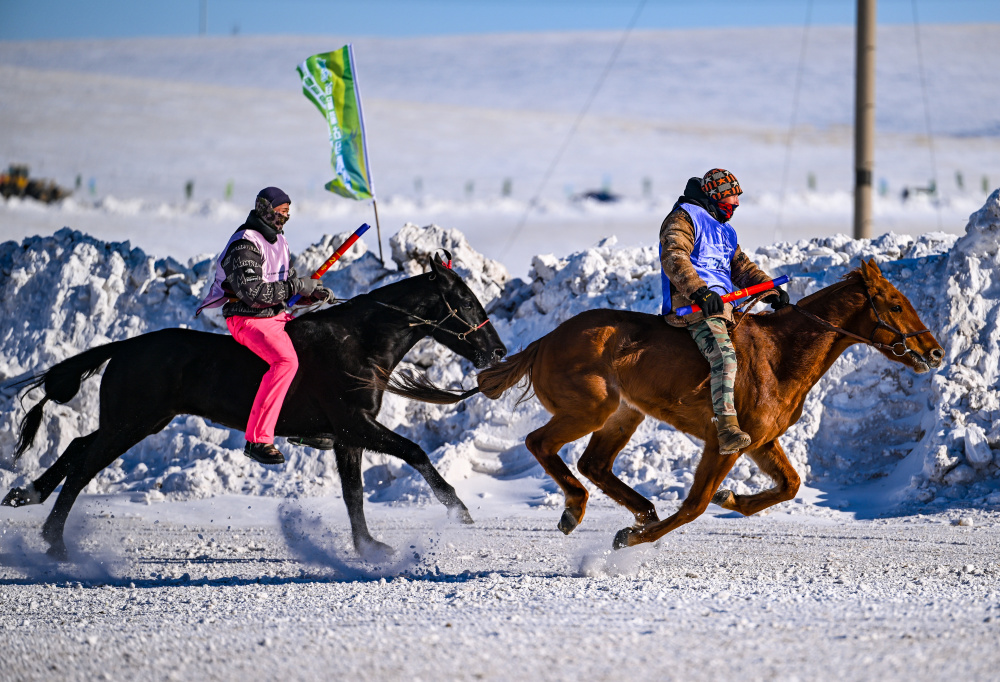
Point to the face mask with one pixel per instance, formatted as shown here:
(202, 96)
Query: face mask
(725, 210)
(269, 215)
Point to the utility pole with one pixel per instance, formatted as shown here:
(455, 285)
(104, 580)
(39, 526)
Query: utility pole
(864, 119)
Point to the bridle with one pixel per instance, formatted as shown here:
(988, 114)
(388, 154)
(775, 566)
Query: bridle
(438, 325)
(880, 324)
(451, 313)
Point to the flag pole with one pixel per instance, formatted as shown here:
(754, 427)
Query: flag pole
(378, 231)
(364, 147)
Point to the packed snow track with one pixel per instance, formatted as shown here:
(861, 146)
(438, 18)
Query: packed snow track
(273, 591)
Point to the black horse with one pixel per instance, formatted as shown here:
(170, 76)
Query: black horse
(152, 378)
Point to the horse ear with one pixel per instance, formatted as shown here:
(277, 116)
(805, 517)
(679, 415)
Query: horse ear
(441, 263)
(437, 267)
(870, 271)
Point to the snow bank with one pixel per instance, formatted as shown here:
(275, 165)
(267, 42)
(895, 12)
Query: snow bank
(930, 436)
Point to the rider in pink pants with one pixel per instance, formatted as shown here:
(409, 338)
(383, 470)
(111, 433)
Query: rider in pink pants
(266, 337)
(253, 284)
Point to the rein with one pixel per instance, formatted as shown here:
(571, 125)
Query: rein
(438, 325)
(871, 339)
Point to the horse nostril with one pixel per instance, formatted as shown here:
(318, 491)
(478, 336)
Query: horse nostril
(499, 353)
(937, 353)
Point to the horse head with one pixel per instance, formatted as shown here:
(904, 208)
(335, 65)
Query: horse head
(464, 326)
(897, 331)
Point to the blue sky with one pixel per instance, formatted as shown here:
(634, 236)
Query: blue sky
(61, 19)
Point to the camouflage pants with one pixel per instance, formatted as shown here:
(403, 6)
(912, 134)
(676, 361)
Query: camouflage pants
(714, 343)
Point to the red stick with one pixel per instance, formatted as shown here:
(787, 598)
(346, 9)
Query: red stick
(739, 293)
(334, 258)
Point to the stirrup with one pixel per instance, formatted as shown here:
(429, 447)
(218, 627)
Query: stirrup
(318, 442)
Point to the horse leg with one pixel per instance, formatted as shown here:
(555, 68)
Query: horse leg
(99, 453)
(368, 433)
(599, 457)
(39, 490)
(544, 444)
(773, 461)
(349, 467)
(710, 473)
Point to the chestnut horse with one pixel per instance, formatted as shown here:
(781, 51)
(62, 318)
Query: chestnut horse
(602, 371)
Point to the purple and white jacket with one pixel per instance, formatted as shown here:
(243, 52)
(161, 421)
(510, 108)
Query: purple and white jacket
(252, 276)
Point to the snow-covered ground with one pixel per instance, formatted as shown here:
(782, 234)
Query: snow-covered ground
(216, 590)
(868, 573)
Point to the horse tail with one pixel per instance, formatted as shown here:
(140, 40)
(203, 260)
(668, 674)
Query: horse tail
(416, 387)
(61, 383)
(496, 380)
(493, 381)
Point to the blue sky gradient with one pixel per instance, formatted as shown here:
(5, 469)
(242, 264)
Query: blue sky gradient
(76, 19)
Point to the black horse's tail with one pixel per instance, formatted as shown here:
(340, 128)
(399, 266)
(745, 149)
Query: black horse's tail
(493, 381)
(60, 382)
(417, 387)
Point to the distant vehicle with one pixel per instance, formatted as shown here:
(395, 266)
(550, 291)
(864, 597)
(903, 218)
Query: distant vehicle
(16, 183)
(605, 196)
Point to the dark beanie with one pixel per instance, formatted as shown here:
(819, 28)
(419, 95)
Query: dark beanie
(274, 196)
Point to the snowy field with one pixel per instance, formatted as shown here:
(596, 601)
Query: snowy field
(191, 562)
(142, 117)
(181, 591)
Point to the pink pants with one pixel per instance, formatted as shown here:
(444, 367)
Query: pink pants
(266, 337)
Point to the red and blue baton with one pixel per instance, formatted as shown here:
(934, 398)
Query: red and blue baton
(334, 258)
(739, 293)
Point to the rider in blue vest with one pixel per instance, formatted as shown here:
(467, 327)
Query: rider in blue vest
(701, 261)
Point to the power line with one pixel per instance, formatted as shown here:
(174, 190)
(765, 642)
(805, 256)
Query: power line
(795, 114)
(572, 131)
(927, 116)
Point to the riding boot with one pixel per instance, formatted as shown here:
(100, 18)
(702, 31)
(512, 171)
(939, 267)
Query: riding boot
(318, 442)
(265, 453)
(731, 438)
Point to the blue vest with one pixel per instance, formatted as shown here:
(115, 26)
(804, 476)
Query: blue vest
(714, 246)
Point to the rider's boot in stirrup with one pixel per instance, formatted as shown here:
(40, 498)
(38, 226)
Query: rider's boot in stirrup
(265, 453)
(731, 438)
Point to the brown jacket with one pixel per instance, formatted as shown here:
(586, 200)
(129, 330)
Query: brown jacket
(677, 243)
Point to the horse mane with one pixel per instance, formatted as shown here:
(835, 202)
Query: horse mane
(852, 277)
(340, 303)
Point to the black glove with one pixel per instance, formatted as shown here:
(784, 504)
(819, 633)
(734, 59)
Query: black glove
(321, 294)
(777, 300)
(709, 301)
(305, 286)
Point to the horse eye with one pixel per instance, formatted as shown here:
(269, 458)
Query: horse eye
(896, 308)
(467, 305)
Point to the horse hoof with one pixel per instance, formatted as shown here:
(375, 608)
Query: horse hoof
(568, 522)
(462, 515)
(58, 552)
(621, 539)
(19, 497)
(374, 551)
(724, 498)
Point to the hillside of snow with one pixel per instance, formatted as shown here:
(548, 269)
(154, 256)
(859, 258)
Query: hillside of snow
(450, 120)
(871, 431)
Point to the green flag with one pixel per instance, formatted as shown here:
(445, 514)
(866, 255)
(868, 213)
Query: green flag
(329, 80)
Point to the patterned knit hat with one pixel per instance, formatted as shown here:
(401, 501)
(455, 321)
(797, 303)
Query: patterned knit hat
(719, 183)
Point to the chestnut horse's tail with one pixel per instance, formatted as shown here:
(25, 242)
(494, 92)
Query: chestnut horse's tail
(61, 383)
(493, 382)
(498, 379)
